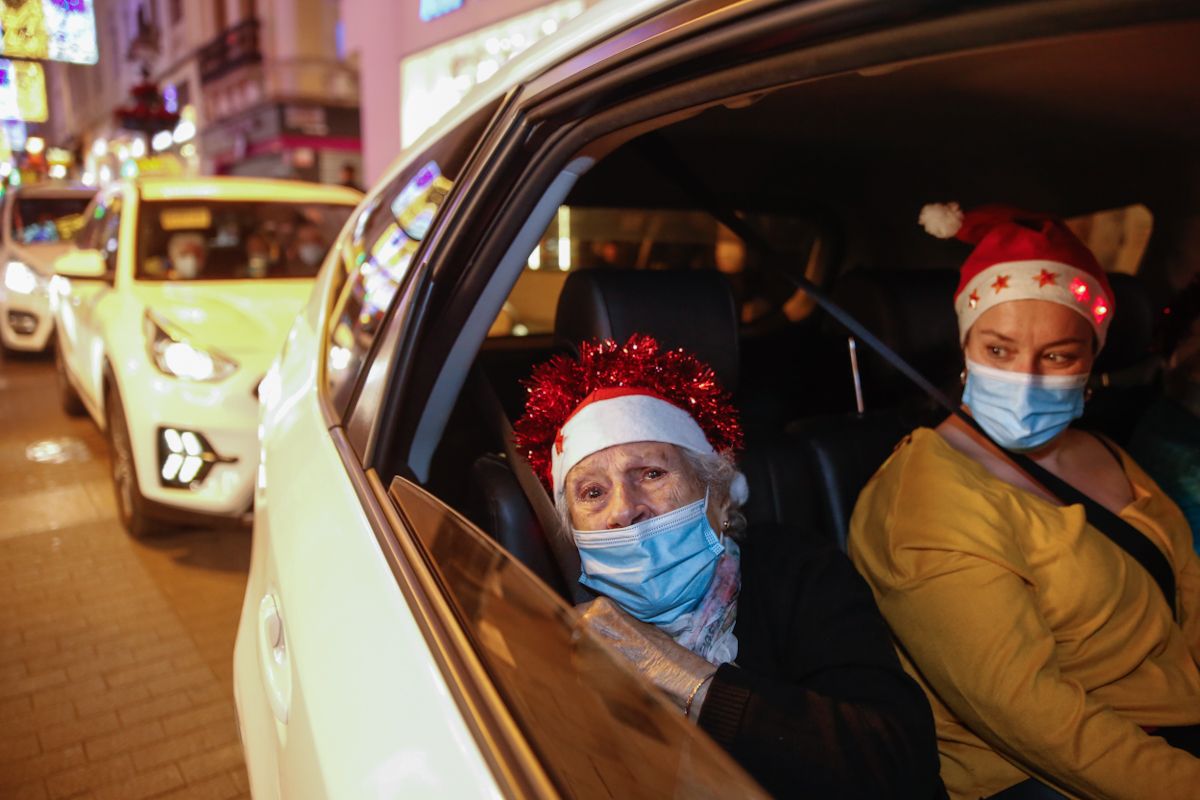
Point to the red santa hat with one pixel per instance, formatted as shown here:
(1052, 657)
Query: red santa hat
(619, 394)
(1021, 255)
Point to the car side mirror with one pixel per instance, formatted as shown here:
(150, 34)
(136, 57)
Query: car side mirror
(85, 264)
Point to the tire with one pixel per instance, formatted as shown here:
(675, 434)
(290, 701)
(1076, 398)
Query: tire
(72, 405)
(131, 506)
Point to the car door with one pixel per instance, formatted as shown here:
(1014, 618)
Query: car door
(338, 692)
(78, 322)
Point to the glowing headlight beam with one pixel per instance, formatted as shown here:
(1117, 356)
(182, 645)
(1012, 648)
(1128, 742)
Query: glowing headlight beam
(19, 278)
(188, 362)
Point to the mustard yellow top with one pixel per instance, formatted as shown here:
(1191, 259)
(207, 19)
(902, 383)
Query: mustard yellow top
(1043, 646)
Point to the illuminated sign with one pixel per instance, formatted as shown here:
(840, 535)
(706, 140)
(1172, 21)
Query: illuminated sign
(22, 90)
(434, 80)
(49, 30)
(431, 9)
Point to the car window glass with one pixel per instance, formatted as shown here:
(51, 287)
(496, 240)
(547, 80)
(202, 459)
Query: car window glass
(109, 233)
(597, 729)
(377, 254)
(89, 234)
(227, 240)
(658, 239)
(1117, 236)
(47, 220)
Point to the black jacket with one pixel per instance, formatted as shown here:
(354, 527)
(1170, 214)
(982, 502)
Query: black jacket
(818, 704)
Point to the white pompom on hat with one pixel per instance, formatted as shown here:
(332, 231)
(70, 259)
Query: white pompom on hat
(943, 220)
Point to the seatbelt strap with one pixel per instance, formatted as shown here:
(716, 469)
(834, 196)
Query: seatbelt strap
(1120, 532)
(1127, 537)
(565, 554)
(668, 162)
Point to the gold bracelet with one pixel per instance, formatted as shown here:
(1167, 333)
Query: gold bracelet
(687, 707)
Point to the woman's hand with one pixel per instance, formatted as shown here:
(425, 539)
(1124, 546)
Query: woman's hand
(677, 671)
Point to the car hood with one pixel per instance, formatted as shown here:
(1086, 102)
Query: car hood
(237, 318)
(39, 257)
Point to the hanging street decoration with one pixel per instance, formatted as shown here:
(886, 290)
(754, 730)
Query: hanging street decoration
(148, 114)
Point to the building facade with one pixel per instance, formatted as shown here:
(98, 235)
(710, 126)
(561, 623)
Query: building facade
(258, 86)
(416, 58)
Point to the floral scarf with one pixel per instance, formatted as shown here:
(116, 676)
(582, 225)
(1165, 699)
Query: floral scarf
(708, 631)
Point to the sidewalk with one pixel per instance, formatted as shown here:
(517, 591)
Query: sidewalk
(115, 655)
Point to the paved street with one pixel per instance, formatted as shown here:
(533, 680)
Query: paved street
(115, 654)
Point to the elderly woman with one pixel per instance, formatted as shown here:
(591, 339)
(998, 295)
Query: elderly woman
(773, 646)
(1046, 649)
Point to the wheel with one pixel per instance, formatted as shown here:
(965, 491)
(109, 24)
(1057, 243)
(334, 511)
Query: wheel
(131, 506)
(72, 405)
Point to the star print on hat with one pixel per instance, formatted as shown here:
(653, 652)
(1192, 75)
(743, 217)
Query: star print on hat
(1021, 255)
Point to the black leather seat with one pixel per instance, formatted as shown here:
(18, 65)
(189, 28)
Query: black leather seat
(844, 451)
(912, 312)
(498, 506)
(1125, 377)
(693, 309)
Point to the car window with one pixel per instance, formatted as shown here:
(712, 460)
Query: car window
(596, 729)
(89, 234)
(108, 232)
(226, 240)
(582, 237)
(377, 255)
(47, 220)
(1118, 236)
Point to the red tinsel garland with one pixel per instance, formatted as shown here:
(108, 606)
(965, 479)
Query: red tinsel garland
(557, 387)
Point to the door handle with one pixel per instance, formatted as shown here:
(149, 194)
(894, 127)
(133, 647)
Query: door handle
(273, 659)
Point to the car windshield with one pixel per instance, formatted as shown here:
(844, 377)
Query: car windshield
(224, 240)
(47, 220)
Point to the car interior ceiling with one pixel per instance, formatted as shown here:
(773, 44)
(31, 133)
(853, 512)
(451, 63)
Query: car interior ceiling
(1071, 125)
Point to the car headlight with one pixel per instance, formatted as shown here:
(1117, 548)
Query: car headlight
(19, 278)
(174, 355)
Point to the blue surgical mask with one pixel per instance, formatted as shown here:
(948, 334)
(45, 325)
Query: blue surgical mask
(187, 266)
(658, 569)
(1022, 411)
(311, 254)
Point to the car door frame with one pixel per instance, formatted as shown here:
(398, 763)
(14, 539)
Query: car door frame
(515, 766)
(83, 351)
(533, 136)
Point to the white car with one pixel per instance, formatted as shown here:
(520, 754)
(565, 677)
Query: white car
(407, 629)
(168, 311)
(37, 224)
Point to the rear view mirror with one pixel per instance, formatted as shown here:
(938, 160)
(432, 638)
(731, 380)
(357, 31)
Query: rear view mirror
(81, 264)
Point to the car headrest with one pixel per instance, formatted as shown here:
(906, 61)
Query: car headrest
(1131, 334)
(498, 506)
(912, 311)
(692, 309)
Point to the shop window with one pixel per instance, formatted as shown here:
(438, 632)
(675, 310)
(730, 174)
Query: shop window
(1117, 236)
(660, 239)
